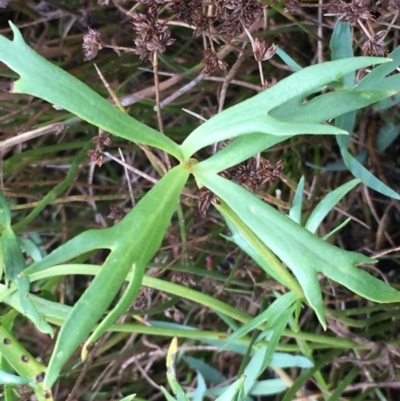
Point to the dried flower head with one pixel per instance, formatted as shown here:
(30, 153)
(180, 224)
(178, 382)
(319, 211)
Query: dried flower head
(187, 10)
(352, 12)
(96, 156)
(291, 5)
(143, 300)
(261, 53)
(102, 139)
(92, 44)
(244, 13)
(221, 7)
(206, 198)
(211, 62)
(375, 44)
(152, 35)
(246, 174)
(361, 74)
(268, 84)
(116, 213)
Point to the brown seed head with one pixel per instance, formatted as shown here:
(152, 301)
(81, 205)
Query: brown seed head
(211, 62)
(92, 44)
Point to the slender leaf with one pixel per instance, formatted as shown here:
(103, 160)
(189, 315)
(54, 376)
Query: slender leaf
(341, 45)
(206, 371)
(14, 262)
(295, 210)
(5, 213)
(230, 393)
(268, 387)
(359, 171)
(270, 316)
(10, 379)
(377, 76)
(327, 204)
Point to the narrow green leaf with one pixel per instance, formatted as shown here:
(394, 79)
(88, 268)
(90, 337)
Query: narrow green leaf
(58, 189)
(129, 398)
(14, 262)
(250, 243)
(282, 360)
(330, 105)
(359, 171)
(171, 360)
(167, 395)
(268, 387)
(205, 370)
(386, 136)
(261, 359)
(341, 45)
(230, 393)
(198, 394)
(73, 95)
(127, 299)
(272, 313)
(287, 59)
(327, 204)
(10, 379)
(13, 258)
(345, 381)
(373, 80)
(278, 325)
(296, 209)
(5, 213)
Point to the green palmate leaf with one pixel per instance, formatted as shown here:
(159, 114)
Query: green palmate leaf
(132, 244)
(73, 95)
(305, 254)
(252, 116)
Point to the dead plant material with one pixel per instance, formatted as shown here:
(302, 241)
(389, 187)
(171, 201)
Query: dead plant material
(247, 175)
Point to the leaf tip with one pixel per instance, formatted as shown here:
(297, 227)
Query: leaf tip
(16, 31)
